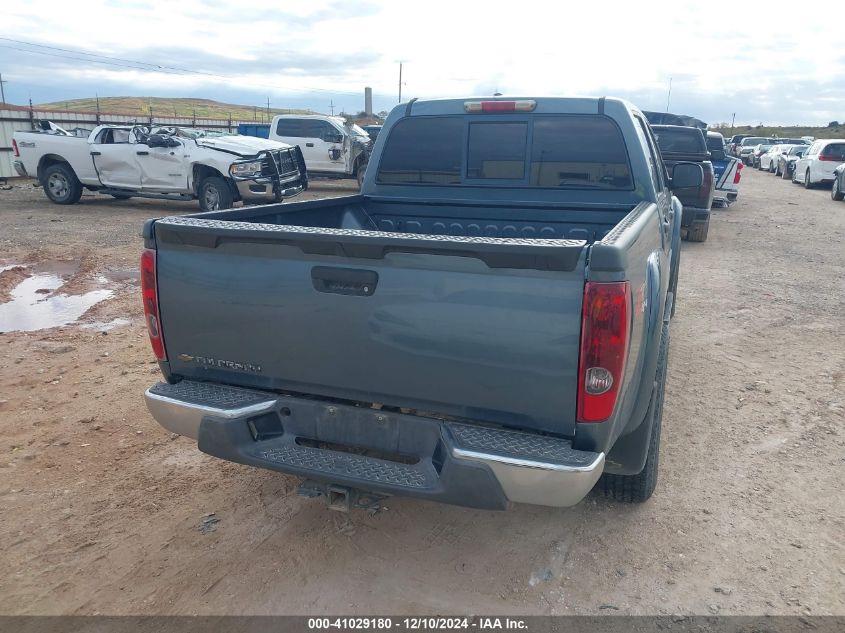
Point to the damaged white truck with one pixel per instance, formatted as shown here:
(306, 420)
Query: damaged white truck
(162, 162)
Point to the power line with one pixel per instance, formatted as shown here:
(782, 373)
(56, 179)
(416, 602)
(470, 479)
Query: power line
(65, 53)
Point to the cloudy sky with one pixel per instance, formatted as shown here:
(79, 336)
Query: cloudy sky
(763, 64)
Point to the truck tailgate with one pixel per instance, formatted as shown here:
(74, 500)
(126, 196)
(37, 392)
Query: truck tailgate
(484, 329)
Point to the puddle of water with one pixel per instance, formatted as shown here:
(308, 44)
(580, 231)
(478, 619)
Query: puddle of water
(60, 267)
(29, 310)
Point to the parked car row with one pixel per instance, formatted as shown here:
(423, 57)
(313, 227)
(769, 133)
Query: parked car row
(821, 162)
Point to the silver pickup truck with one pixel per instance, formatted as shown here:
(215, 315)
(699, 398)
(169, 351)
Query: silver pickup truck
(486, 323)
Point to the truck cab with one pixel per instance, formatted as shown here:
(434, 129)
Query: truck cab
(331, 146)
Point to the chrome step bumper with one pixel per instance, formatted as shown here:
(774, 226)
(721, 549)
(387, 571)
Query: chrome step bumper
(458, 463)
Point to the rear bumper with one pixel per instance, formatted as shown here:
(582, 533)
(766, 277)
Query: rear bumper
(376, 450)
(19, 167)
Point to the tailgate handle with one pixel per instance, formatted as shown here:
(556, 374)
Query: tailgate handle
(344, 281)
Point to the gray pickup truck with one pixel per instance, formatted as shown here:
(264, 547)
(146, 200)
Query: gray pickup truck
(485, 323)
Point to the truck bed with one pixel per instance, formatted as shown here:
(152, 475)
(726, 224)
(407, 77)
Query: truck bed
(470, 311)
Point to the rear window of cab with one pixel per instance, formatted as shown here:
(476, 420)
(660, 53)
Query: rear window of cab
(563, 151)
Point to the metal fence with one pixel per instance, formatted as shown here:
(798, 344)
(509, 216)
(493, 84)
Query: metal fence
(12, 119)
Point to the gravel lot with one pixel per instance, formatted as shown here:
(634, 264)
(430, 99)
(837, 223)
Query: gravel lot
(105, 512)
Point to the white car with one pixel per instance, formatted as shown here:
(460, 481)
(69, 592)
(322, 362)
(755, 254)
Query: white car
(332, 147)
(747, 146)
(769, 160)
(126, 161)
(819, 162)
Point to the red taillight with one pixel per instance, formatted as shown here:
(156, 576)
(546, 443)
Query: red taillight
(149, 295)
(15, 149)
(524, 105)
(738, 174)
(604, 345)
(831, 158)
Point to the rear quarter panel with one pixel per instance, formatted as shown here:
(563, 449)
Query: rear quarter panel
(74, 150)
(636, 251)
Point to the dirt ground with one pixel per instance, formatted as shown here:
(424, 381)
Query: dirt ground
(105, 512)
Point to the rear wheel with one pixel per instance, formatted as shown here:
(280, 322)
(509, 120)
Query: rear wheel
(807, 183)
(777, 169)
(836, 192)
(698, 232)
(638, 488)
(61, 185)
(214, 194)
(785, 174)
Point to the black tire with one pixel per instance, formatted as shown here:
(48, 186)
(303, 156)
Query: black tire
(120, 196)
(771, 166)
(61, 185)
(835, 192)
(777, 169)
(639, 488)
(214, 194)
(807, 183)
(785, 174)
(698, 232)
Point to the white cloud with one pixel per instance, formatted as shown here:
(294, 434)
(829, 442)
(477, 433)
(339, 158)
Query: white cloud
(739, 59)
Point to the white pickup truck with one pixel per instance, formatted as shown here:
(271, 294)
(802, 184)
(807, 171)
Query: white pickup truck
(332, 146)
(160, 162)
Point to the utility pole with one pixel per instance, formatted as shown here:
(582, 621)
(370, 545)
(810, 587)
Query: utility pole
(331, 105)
(400, 82)
(268, 109)
(733, 119)
(2, 92)
(97, 97)
(669, 96)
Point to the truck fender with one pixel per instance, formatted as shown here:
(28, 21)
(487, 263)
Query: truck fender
(675, 253)
(628, 453)
(50, 159)
(200, 172)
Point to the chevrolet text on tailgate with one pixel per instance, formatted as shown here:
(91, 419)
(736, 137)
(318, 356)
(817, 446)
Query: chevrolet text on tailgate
(485, 323)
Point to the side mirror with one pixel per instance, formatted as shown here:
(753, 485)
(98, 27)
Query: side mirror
(333, 138)
(686, 175)
(718, 154)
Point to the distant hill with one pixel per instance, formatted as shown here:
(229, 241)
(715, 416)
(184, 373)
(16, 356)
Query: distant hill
(165, 106)
(837, 131)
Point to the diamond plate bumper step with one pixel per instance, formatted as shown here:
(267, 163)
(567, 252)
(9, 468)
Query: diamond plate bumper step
(459, 463)
(351, 466)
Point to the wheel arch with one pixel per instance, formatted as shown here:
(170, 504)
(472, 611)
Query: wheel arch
(49, 160)
(200, 172)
